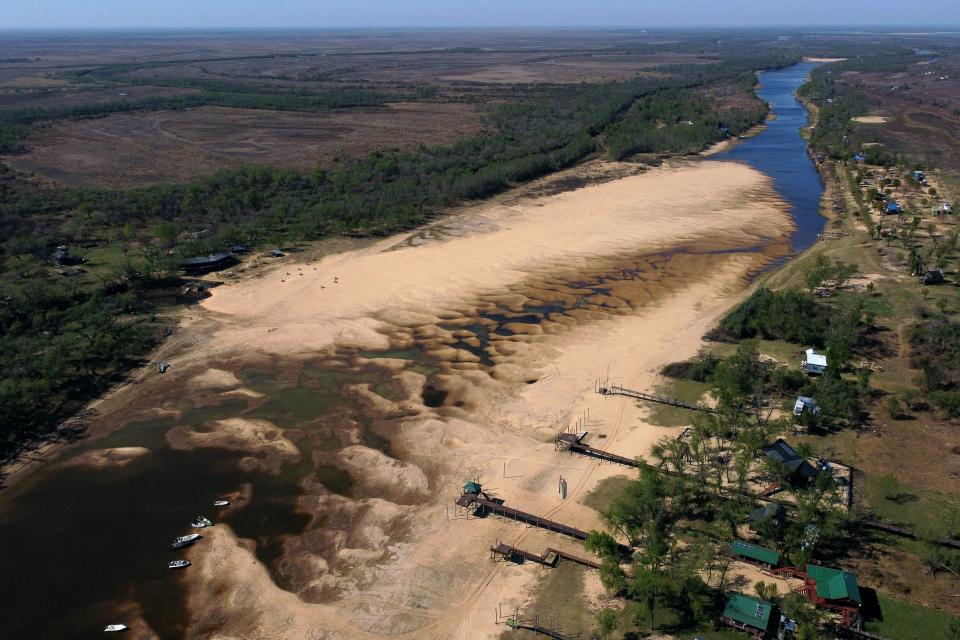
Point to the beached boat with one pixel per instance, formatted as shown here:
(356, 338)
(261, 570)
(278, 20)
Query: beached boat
(200, 522)
(114, 628)
(221, 503)
(178, 564)
(185, 541)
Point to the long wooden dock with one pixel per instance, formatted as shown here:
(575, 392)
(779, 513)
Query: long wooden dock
(550, 557)
(616, 390)
(485, 504)
(536, 627)
(573, 442)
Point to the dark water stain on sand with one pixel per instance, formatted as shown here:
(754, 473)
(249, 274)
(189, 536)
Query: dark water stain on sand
(80, 544)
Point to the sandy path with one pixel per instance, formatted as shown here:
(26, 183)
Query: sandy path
(436, 580)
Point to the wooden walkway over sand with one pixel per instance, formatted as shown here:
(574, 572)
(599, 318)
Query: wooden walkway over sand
(616, 390)
(550, 557)
(536, 627)
(484, 504)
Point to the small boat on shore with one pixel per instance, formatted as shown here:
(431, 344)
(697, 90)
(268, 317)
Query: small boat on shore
(185, 541)
(114, 628)
(200, 522)
(221, 503)
(178, 564)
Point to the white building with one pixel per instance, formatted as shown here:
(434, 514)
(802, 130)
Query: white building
(815, 362)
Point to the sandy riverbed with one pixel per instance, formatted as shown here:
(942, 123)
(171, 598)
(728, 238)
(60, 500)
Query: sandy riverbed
(432, 577)
(636, 268)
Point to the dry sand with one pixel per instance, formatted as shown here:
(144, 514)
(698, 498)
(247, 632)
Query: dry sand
(870, 119)
(395, 559)
(100, 459)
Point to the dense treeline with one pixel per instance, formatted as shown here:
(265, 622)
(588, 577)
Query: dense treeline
(793, 316)
(61, 346)
(553, 128)
(797, 317)
(680, 121)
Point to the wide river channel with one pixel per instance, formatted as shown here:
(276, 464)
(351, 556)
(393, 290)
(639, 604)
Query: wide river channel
(80, 547)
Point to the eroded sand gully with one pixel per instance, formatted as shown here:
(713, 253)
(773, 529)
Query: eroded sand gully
(500, 319)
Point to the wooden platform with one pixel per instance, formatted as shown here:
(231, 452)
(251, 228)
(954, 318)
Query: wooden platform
(550, 557)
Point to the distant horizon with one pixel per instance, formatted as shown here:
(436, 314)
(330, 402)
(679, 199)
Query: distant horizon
(491, 14)
(839, 28)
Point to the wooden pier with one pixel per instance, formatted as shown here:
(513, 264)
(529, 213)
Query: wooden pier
(484, 504)
(616, 390)
(573, 442)
(550, 557)
(536, 627)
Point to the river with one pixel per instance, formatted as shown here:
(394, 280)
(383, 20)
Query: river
(81, 546)
(781, 153)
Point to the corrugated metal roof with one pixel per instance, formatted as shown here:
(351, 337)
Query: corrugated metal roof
(835, 584)
(748, 610)
(754, 552)
(815, 358)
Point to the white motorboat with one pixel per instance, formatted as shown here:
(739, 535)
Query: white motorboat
(178, 564)
(114, 628)
(221, 503)
(185, 541)
(200, 522)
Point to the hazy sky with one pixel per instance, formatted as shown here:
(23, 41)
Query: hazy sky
(476, 13)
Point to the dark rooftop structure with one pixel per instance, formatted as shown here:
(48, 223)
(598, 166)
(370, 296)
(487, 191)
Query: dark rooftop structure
(63, 257)
(933, 276)
(212, 262)
(772, 511)
(798, 469)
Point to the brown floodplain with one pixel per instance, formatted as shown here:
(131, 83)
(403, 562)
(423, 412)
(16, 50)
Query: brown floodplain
(152, 147)
(455, 77)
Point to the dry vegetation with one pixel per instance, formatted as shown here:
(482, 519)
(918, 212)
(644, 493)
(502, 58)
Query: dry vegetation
(439, 71)
(151, 147)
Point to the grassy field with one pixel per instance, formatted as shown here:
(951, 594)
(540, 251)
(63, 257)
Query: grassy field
(684, 390)
(906, 621)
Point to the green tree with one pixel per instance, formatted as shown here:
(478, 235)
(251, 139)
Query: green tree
(607, 623)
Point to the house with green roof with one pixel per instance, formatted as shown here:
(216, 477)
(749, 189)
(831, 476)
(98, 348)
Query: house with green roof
(835, 584)
(748, 614)
(755, 553)
(834, 590)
